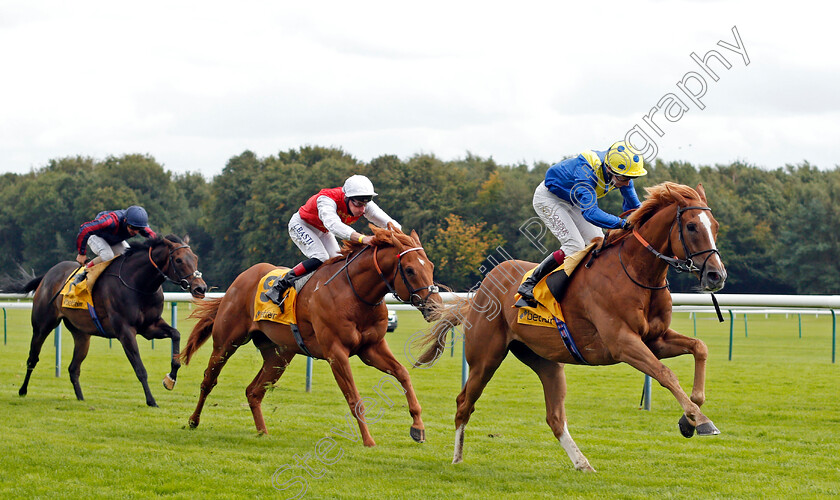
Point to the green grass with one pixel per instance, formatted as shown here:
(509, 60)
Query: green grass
(776, 404)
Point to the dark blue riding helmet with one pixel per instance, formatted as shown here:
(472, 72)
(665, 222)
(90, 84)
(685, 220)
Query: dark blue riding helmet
(136, 216)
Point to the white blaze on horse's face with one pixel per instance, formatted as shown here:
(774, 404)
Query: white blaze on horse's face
(422, 262)
(707, 224)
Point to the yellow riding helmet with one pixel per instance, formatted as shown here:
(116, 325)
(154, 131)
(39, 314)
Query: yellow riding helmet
(624, 159)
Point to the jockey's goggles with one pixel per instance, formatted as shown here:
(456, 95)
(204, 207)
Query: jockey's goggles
(361, 200)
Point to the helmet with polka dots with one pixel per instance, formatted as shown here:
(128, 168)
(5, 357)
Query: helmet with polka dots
(624, 159)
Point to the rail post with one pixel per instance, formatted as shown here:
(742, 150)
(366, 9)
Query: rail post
(58, 350)
(731, 331)
(644, 404)
(833, 335)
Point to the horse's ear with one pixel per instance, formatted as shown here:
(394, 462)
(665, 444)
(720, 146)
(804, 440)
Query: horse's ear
(187, 240)
(416, 238)
(393, 228)
(702, 193)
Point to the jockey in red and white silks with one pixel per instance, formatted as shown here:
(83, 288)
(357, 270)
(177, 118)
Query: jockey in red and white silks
(325, 217)
(567, 203)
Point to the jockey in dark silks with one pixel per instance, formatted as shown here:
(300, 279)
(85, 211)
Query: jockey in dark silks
(106, 234)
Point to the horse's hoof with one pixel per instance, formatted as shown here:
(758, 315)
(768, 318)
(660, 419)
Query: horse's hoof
(193, 423)
(418, 435)
(686, 428)
(22, 393)
(707, 429)
(152, 403)
(168, 382)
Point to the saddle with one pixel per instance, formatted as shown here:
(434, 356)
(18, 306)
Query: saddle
(266, 310)
(79, 296)
(550, 289)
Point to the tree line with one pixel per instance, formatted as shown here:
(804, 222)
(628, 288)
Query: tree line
(777, 227)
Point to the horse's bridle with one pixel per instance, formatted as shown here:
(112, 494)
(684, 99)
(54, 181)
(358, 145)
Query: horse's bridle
(685, 265)
(420, 303)
(413, 296)
(182, 281)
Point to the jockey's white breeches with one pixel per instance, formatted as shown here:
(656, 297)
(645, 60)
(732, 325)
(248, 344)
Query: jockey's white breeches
(314, 243)
(104, 250)
(564, 220)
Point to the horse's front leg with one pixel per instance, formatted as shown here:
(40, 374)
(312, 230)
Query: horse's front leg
(673, 344)
(379, 356)
(162, 330)
(338, 358)
(628, 347)
(128, 339)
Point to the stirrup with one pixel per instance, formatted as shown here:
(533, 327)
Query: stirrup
(79, 277)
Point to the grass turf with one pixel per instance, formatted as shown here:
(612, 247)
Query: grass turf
(775, 403)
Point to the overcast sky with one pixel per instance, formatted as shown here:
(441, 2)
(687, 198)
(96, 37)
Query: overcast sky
(195, 83)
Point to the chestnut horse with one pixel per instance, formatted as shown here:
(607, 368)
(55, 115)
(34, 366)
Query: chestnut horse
(617, 308)
(128, 301)
(340, 313)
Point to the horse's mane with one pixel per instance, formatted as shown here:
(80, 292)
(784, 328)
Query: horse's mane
(147, 243)
(658, 197)
(381, 238)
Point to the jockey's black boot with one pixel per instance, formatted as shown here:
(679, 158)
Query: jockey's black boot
(275, 293)
(80, 277)
(526, 289)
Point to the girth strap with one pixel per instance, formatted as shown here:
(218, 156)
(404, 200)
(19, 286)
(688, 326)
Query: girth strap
(299, 340)
(569, 341)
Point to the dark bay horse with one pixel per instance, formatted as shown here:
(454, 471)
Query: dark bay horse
(617, 310)
(340, 313)
(128, 300)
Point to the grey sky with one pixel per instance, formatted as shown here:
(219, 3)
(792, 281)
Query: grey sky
(194, 83)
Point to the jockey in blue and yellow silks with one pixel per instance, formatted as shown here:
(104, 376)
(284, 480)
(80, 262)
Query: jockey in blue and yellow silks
(567, 202)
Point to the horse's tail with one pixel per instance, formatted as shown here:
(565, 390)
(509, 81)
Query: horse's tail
(206, 313)
(449, 317)
(24, 284)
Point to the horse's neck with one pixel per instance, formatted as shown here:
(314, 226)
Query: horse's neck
(140, 273)
(367, 281)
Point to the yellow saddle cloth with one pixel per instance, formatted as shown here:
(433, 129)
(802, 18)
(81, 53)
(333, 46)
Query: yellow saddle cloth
(79, 296)
(265, 309)
(548, 308)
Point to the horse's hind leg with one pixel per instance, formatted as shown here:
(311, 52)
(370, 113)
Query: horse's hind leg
(40, 331)
(81, 344)
(553, 380)
(379, 356)
(275, 362)
(221, 353)
(484, 358)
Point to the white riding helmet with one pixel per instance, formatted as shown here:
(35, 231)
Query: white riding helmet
(358, 185)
